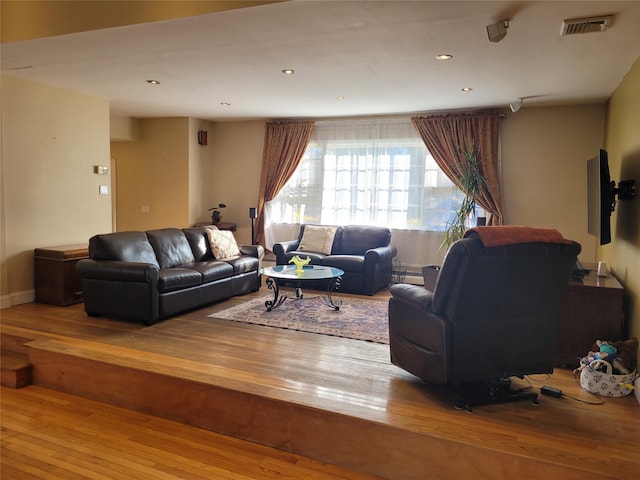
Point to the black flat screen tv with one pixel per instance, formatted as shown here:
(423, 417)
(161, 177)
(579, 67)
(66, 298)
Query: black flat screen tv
(600, 198)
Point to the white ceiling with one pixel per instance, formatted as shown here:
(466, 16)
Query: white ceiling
(378, 55)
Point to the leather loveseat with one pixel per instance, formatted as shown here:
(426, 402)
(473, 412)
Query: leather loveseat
(363, 252)
(147, 276)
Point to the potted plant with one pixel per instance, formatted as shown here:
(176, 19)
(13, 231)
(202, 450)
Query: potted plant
(215, 215)
(472, 183)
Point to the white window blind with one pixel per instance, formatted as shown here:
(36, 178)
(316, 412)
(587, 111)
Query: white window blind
(373, 172)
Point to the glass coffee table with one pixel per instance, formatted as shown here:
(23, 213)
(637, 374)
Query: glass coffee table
(290, 273)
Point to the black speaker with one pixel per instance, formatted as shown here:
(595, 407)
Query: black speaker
(253, 214)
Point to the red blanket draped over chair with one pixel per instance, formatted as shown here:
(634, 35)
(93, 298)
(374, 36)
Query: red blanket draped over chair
(510, 235)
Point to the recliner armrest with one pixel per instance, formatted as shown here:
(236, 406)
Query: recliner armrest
(116, 270)
(380, 254)
(412, 294)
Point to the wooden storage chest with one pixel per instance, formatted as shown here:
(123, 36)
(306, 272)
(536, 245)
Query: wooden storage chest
(55, 277)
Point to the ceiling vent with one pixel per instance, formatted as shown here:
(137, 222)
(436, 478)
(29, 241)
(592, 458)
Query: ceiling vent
(586, 25)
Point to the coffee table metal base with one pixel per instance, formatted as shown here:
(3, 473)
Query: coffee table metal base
(278, 298)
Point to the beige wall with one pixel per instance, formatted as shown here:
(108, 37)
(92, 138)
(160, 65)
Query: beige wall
(51, 139)
(152, 183)
(622, 255)
(234, 172)
(199, 177)
(544, 158)
(179, 180)
(124, 129)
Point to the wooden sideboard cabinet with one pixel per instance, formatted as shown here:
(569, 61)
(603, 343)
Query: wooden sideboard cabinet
(55, 278)
(232, 227)
(592, 310)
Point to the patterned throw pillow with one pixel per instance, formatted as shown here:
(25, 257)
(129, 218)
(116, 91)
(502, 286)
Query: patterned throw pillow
(317, 239)
(223, 243)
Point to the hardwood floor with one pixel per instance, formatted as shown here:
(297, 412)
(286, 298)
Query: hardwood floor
(338, 401)
(51, 435)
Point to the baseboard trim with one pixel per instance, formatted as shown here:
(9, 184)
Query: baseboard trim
(18, 298)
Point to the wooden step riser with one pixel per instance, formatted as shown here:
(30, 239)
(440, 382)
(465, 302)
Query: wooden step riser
(14, 343)
(351, 442)
(16, 378)
(15, 364)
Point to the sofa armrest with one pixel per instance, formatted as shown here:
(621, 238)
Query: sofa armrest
(116, 270)
(381, 254)
(414, 295)
(281, 248)
(256, 251)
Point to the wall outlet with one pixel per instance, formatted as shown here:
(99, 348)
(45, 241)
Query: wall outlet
(146, 209)
(104, 190)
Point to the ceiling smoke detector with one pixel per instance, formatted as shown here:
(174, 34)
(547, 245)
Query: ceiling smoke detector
(586, 25)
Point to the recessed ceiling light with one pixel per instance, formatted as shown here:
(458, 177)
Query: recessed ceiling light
(467, 89)
(444, 56)
(288, 71)
(154, 82)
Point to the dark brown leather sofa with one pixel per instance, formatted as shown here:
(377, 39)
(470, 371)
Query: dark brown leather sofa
(148, 276)
(363, 252)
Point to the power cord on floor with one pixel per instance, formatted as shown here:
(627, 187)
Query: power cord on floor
(599, 402)
(526, 387)
(557, 393)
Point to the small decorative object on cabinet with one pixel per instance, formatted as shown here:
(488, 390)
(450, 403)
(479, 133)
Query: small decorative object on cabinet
(215, 214)
(55, 278)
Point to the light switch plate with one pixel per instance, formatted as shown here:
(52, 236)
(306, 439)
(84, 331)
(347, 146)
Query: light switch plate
(101, 169)
(104, 190)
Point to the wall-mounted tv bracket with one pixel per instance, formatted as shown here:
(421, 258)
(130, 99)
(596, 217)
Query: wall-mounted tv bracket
(625, 190)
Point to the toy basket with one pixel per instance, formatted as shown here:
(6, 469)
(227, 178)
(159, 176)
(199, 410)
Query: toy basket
(606, 383)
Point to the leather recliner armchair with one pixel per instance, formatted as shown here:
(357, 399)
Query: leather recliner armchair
(492, 315)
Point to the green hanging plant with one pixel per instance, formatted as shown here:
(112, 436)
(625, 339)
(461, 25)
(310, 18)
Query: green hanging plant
(472, 182)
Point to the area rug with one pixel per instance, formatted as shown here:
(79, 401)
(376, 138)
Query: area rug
(357, 319)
